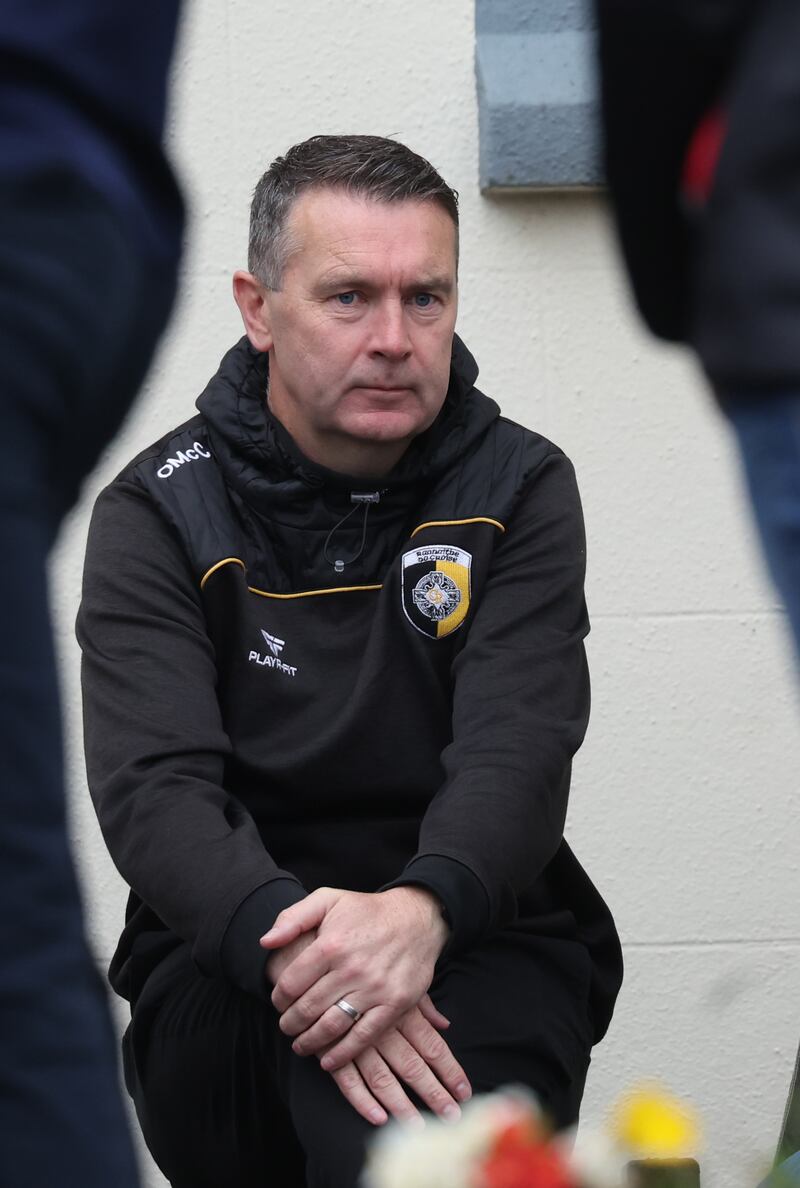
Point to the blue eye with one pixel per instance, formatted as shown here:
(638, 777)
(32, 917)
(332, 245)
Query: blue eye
(423, 300)
(345, 298)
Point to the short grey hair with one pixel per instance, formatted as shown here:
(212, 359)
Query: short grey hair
(372, 166)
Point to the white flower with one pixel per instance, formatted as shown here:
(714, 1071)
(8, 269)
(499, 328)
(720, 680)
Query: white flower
(595, 1158)
(443, 1154)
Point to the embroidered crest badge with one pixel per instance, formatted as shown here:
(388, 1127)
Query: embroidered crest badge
(436, 588)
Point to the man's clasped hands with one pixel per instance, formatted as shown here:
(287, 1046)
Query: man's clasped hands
(377, 952)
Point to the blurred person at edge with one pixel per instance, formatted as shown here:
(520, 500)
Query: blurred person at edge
(701, 113)
(90, 231)
(701, 116)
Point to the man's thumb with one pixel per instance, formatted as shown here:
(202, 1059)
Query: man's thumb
(301, 917)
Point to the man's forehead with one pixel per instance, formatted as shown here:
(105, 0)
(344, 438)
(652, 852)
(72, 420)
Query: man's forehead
(343, 230)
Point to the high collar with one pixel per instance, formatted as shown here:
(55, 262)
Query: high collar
(262, 462)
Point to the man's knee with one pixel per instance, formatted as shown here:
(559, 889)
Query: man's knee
(333, 1136)
(199, 1067)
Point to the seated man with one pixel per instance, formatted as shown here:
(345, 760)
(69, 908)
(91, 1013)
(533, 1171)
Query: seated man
(334, 679)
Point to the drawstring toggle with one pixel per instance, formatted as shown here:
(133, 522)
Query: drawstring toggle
(359, 499)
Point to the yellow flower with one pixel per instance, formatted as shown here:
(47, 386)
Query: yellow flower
(654, 1125)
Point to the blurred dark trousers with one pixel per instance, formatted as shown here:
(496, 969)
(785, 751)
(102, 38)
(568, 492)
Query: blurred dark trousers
(80, 313)
(768, 431)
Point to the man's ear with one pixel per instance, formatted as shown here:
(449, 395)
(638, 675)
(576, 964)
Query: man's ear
(251, 297)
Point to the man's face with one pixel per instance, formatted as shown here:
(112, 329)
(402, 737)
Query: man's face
(360, 334)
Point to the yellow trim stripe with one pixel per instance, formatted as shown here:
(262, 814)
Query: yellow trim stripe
(214, 568)
(266, 593)
(448, 523)
(311, 593)
(345, 589)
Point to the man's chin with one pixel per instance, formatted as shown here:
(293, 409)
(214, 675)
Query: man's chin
(385, 426)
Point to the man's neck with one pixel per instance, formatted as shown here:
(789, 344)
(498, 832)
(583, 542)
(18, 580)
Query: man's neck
(346, 455)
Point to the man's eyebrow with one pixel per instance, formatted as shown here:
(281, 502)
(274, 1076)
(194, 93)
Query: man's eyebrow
(441, 284)
(344, 282)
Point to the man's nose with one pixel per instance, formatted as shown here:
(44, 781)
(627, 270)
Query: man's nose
(390, 337)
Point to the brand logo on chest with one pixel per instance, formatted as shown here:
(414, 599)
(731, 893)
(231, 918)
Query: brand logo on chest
(436, 588)
(271, 659)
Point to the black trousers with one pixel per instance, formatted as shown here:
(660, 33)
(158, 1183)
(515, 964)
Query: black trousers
(224, 1103)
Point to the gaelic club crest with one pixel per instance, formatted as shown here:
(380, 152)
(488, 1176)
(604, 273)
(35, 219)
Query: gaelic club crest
(436, 588)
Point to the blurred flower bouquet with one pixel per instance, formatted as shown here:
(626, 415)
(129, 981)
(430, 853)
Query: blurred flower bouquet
(502, 1141)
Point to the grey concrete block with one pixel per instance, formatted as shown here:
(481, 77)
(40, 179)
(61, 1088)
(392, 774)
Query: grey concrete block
(537, 96)
(532, 16)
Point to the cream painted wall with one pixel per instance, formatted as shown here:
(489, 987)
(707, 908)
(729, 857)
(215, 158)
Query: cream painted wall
(683, 793)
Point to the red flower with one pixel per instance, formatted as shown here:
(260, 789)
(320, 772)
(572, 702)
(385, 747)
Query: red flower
(522, 1158)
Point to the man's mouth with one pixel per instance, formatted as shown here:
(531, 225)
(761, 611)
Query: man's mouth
(383, 387)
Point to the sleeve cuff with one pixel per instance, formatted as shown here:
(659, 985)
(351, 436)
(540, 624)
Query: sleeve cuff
(461, 892)
(243, 961)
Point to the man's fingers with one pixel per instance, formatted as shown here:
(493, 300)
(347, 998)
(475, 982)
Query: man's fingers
(300, 976)
(385, 1086)
(432, 1013)
(435, 1052)
(375, 1083)
(370, 1027)
(300, 917)
(413, 1070)
(303, 1012)
(352, 1086)
(332, 1025)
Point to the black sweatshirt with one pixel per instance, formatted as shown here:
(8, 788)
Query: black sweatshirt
(261, 721)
